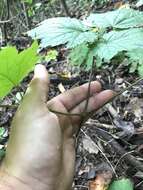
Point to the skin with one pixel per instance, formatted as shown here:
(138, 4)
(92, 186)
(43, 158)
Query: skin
(41, 150)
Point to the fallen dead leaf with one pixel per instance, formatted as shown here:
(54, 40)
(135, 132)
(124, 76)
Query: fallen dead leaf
(90, 145)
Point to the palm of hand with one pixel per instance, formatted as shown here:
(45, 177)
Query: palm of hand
(41, 146)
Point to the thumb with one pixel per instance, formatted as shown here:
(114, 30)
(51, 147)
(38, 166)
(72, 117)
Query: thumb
(39, 86)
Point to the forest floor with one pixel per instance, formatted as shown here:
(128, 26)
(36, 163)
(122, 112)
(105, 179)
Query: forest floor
(110, 142)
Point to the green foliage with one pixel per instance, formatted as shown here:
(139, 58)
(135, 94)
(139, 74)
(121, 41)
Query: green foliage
(101, 36)
(15, 66)
(51, 55)
(2, 131)
(123, 184)
(82, 55)
(124, 18)
(28, 1)
(136, 61)
(57, 31)
(117, 41)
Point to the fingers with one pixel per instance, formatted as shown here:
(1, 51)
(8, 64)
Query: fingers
(95, 102)
(39, 86)
(74, 96)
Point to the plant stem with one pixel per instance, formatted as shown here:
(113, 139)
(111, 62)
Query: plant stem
(8, 106)
(64, 4)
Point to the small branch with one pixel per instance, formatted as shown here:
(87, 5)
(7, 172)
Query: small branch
(26, 15)
(64, 4)
(108, 161)
(5, 24)
(9, 106)
(130, 159)
(5, 21)
(97, 124)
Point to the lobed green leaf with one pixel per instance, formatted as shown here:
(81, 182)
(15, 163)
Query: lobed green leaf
(60, 30)
(15, 66)
(115, 42)
(119, 19)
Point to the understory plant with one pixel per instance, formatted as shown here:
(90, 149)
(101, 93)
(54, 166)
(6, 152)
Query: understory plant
(97, 39)
(15, 66)
(100, 37)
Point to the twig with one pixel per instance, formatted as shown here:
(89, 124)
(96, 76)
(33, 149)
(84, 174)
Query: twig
(6, 21)
(64, 4)
(26, 15)
(130, 159)
(123, 157)
(97, 124)
(101, 152)
(8, 106)
(88, 96)
(140, 183)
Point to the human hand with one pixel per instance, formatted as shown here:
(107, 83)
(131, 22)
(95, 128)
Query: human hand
(41, 153)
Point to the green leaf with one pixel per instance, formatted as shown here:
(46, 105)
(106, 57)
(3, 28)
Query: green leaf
(123, 184)
(89, 60)
(2, 130)
(15, 66)
(99, 62)
(136, 60)
(115, 42)
(79, 54)
(82, 56)
(60, 30)
(133, 66)
(140, 70)
(121, 19)
(28, 1)
(51, 55)
(136, 54)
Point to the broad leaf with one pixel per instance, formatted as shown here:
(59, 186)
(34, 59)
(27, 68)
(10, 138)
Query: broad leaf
(136, 54)
(133, 66)
(89, 60)
(115, 42)
(51, 55)
(123, 184)
(82, 56)
(15, 66)
(121, 18)
(140, 70)
(78, 55)
(136, 60)
(60, 30)
(28, 1)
